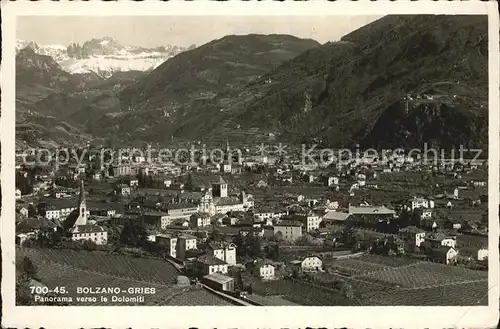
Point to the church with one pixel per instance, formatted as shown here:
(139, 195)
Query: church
(76, 224)
(217, 201)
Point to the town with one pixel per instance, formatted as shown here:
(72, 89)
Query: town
(258, 229)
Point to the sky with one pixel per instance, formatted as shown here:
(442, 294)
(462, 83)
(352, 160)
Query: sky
(151, 31)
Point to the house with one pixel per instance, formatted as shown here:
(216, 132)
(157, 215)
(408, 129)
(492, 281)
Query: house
(335, 217)
(208, 264)
(157, 218)
(309, 264)
(199, 220)
(219, 282)
(223, 251)
(18, 194)
(440, 240)
(181, 210)
(445, 255)
(185, 242)
(123, 189)
(169, 241)
(290, 230)
(474, 253)
(332, 181)
(418, 202)
(96, 176)
(264, 269)
(413, 235)
(24, 211)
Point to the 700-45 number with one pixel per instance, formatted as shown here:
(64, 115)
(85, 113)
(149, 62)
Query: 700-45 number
(45, 290)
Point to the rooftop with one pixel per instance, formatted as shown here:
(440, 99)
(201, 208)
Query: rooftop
(219, 278)
(366, 210)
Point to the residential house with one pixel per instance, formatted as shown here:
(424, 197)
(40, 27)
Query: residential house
(169, 241)
(18, 194)
(185, 242)
(223, 251)
(445, 255)
(290, 230)
(199, 220)
(208, 264)
(157, 218)
(264, 269)
(413, 235)
(123, 189)
(309, 264)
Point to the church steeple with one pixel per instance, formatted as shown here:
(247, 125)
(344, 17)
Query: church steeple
(82, 206)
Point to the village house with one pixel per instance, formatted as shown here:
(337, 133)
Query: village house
(290, 230)
(208, 264)
(157, 218)
(476, 253)
(123, 189)
(18, 194)
(308, 264)
(169, 241)
(264, 269)
(418, 202)
(445, 255)
(185, 242)
(199, 220)
(223, 251)
(413, 235)
(181, 210)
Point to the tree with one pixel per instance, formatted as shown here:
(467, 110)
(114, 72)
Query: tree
(134, 234)
(273, 251)
(189, 186)
(29, 268)
(89, 245)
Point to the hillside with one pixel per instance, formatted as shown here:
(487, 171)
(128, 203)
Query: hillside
(216, 67)
(52, 105)
(184, 85)
(400, 81)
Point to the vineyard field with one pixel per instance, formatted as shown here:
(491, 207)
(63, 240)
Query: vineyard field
(72, 269)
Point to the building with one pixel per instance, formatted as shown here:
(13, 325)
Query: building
(123, 189)
(445, 255)
(78, 227)
(121, 170)
(208, 264)
(335, 217)
(308, 264)
(181, 210)
(185, 242)
(157, 218)
(219, 282)
(413, 235)
(219, 188)
(264, 269)
(18, 194)
(199, 220)
(417, 202)
(169, 241)
(223, 251)
(290, 230)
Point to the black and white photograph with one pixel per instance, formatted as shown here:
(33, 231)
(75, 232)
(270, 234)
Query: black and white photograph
(252, 160)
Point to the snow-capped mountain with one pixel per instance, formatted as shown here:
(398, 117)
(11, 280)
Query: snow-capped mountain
(104, 56)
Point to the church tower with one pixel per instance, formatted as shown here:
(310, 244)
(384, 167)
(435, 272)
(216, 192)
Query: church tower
(219, 189)
(82, 207)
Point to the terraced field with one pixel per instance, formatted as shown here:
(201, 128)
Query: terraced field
(381, 280)
(143, 269)
(73, 269)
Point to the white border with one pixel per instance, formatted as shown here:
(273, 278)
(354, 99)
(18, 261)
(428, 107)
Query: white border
(239, 317)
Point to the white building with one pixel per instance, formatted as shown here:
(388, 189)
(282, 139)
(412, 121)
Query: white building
(223, 251)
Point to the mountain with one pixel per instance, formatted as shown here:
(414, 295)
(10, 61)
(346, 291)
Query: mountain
(156, 105)
(397, 82)
(104, 56)
(52, 105)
